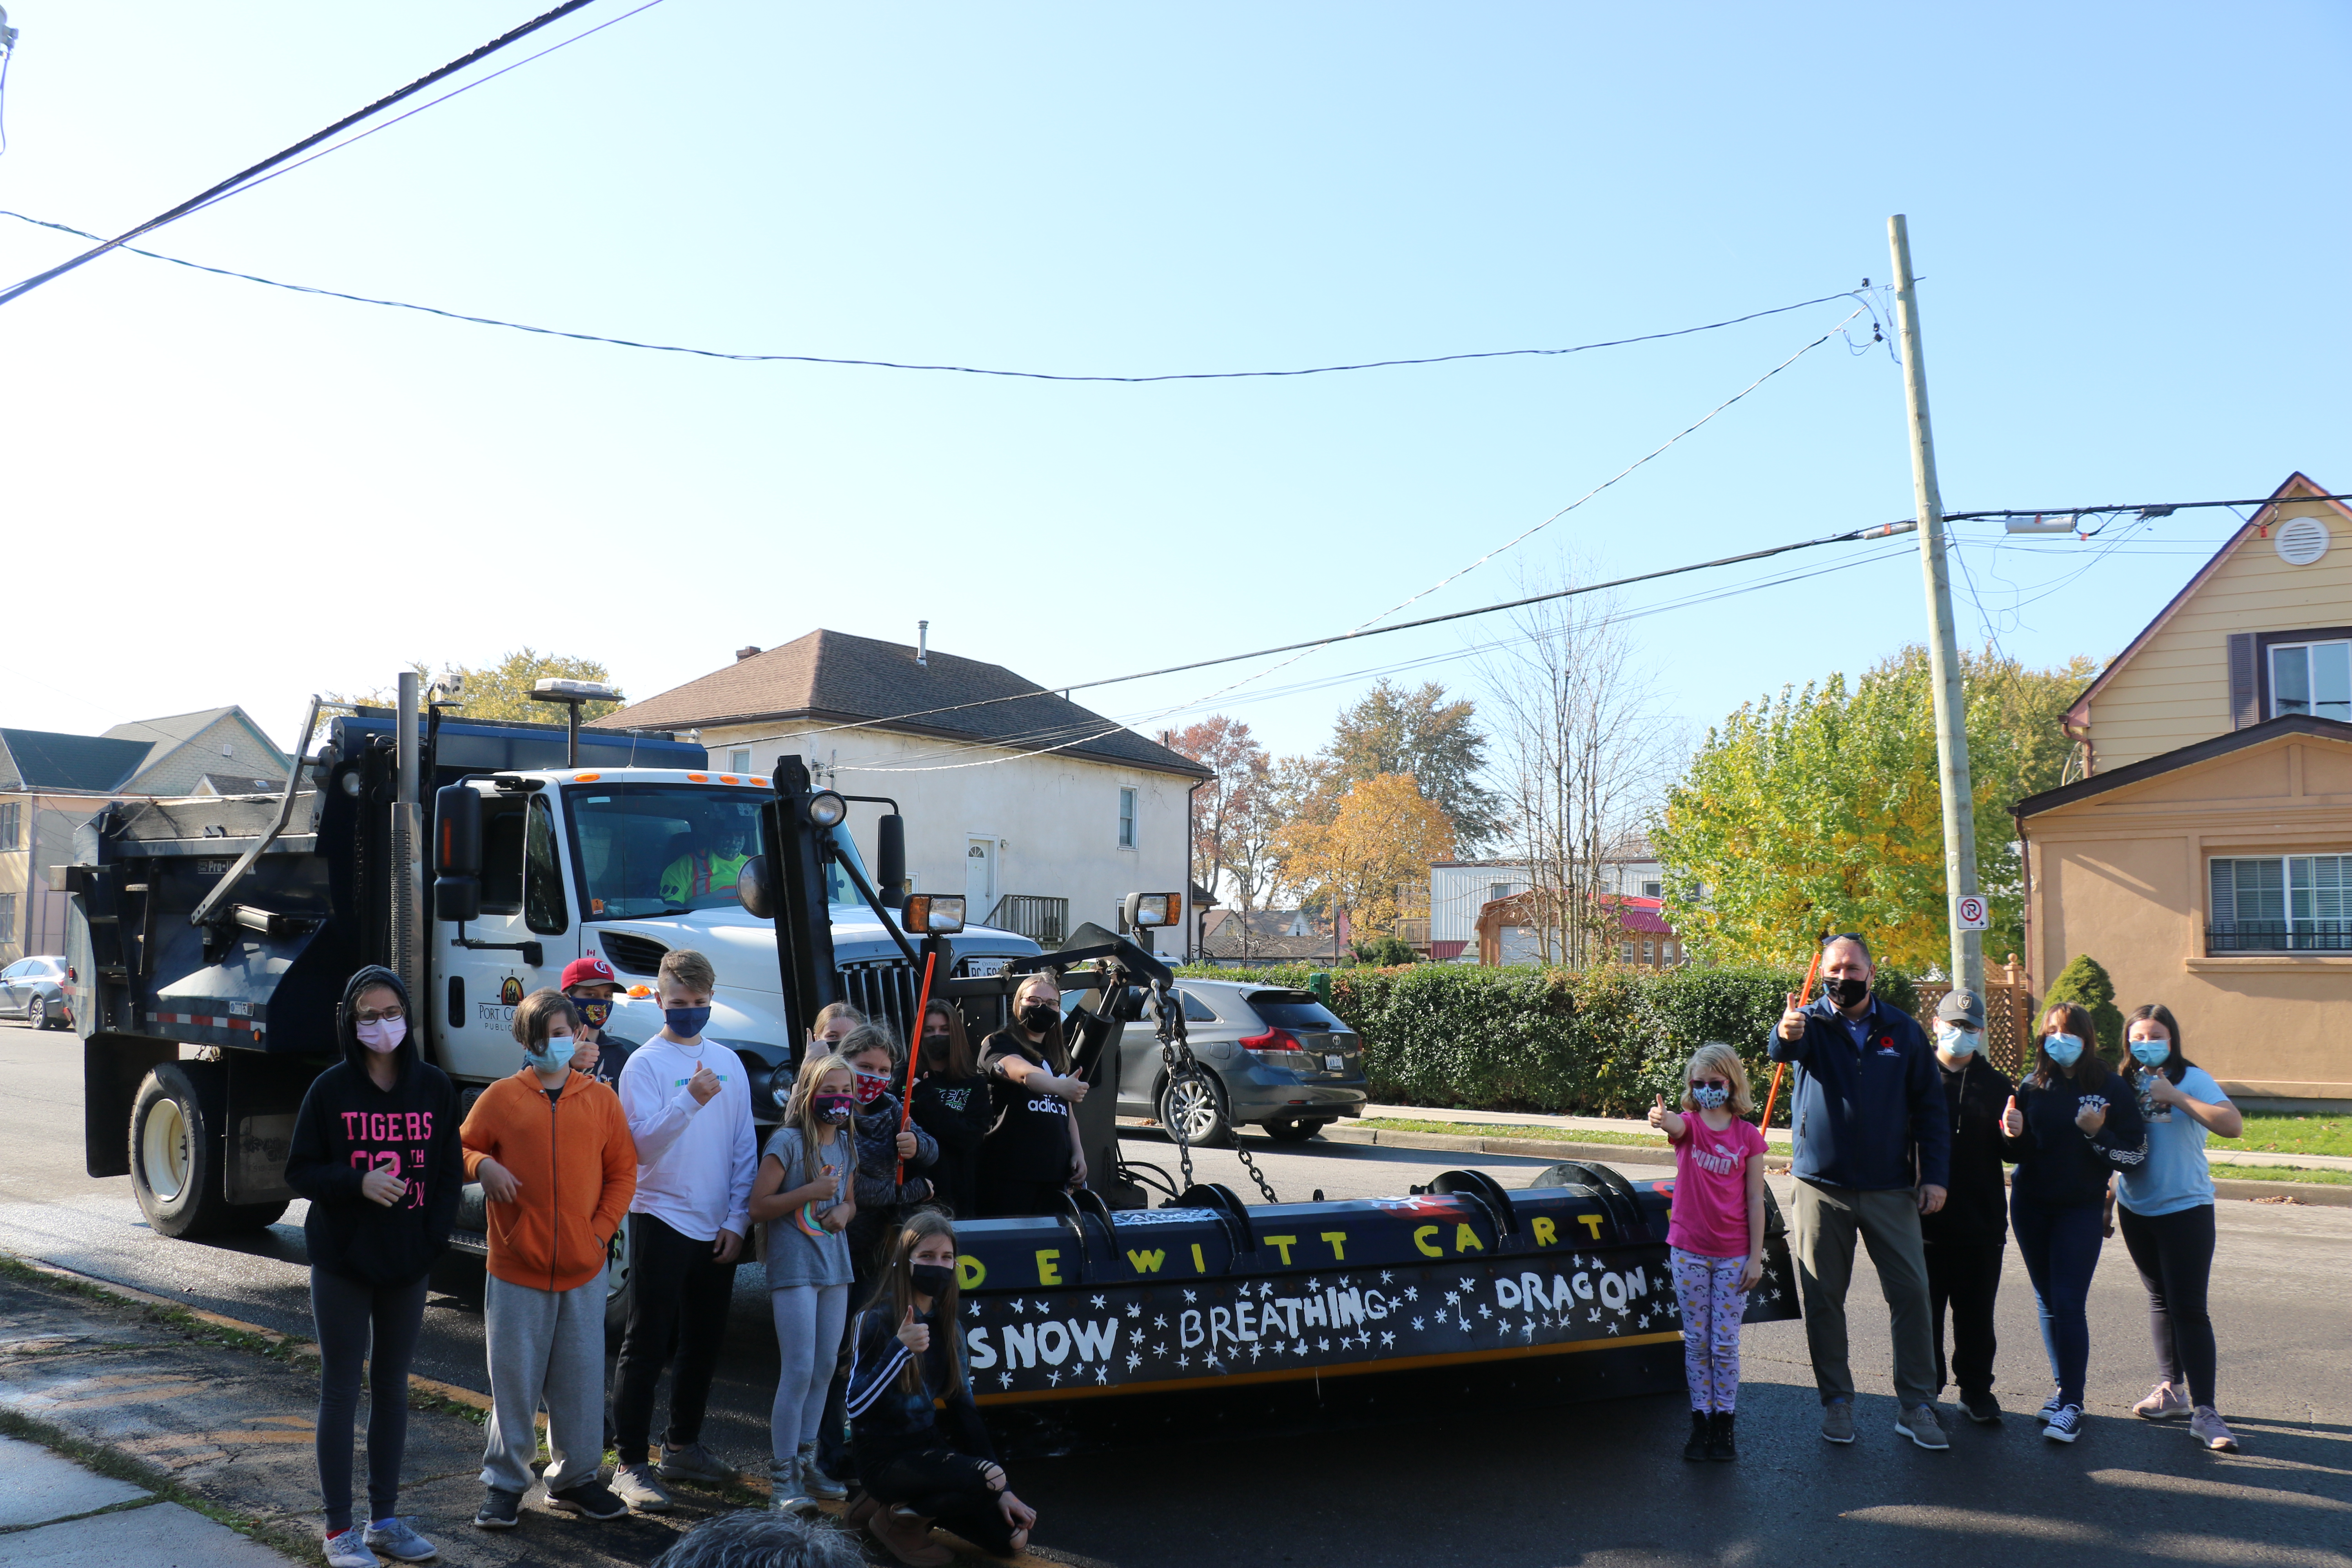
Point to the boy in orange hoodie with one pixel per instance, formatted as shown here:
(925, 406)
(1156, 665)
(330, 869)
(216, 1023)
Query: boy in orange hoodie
(552, 1148)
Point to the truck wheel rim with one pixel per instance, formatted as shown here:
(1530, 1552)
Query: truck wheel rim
(1190, 1104)
(164, 1150)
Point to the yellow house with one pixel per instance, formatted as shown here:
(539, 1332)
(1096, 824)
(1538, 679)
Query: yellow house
(2206, 861)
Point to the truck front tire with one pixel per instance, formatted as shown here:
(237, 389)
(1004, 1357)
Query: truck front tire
(177, 1150)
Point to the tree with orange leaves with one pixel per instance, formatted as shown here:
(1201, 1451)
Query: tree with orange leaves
(1384, 835)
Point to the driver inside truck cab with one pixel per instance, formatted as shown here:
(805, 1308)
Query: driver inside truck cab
(715, 852)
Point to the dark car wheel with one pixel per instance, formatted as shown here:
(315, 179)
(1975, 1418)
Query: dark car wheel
(37, 1014)
(1298, 1129)
(177, 1151)
(1198, 1104)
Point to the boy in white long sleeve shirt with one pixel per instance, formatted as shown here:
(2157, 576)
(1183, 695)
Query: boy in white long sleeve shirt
(689, 1112)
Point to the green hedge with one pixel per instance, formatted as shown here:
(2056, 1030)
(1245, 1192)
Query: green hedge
(1599, 1042)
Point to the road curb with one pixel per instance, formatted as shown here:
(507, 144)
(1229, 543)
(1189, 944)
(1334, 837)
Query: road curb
(1526, 1147)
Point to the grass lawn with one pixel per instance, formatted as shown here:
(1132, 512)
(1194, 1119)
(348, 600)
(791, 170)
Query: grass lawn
(1512, 1130)
(2292, 1135)
(2281, 1173)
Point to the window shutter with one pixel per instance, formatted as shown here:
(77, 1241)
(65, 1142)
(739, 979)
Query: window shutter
(2225, 896)
(2242, 687)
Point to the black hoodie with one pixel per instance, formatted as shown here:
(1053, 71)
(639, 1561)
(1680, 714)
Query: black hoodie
(348, 1127)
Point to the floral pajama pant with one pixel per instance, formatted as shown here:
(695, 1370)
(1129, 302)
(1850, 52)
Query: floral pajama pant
(1708, 1289)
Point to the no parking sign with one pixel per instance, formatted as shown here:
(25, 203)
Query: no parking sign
(1969, 913)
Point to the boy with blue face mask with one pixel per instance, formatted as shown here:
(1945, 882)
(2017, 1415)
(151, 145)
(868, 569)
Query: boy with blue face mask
(551, 1149)
(1965, 1239)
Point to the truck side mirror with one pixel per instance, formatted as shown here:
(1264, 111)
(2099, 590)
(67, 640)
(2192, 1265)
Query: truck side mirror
(456, 853)
(752, 889)
(934, 914)
(890, 856)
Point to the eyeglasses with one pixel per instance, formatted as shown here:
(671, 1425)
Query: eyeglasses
(389, 1015)
(1709, 1083)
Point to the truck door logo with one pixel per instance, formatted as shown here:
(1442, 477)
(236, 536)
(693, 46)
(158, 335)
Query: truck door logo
(510, 992)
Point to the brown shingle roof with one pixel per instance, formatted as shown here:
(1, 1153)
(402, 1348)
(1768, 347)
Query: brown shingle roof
(831, 677)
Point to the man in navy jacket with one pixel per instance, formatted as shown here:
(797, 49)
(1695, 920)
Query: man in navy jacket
(1873, 1153)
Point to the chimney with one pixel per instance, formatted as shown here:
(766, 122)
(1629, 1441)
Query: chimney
(923, 644)
(747, 651)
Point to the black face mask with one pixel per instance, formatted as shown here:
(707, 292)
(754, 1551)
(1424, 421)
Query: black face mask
(1846, 991)
(931, 1279)
(1039, 1016)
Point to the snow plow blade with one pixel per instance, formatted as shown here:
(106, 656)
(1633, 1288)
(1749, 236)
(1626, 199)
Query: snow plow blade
(1131, 1325)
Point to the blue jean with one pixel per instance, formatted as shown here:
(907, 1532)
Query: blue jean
(2061, 1250)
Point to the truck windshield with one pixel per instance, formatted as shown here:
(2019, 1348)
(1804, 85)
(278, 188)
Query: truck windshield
(659, 848)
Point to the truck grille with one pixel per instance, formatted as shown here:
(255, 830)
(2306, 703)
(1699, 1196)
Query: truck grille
(888, 989)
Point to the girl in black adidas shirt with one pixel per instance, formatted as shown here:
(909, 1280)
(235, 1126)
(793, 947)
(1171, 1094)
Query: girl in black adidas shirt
(953, 1105)
(1033, 1151)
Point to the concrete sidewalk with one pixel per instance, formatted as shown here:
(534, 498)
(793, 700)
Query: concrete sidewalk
(1777, 1137)
(55, 1513)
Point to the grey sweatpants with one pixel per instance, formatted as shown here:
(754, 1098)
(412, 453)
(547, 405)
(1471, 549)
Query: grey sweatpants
(544, 1345)
(809, 1323)
(1828, 1221)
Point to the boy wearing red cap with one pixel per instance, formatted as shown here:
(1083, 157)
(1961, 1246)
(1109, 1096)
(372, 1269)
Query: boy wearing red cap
(591, 983)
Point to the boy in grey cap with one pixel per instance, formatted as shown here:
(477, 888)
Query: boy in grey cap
(1964, 1240)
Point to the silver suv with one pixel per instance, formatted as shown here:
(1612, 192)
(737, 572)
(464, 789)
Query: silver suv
(1275, 1058)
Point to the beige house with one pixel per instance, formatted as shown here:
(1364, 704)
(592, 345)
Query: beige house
(2206, 861)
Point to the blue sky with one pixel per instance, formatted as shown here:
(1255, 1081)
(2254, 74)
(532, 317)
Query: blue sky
(2131, 222)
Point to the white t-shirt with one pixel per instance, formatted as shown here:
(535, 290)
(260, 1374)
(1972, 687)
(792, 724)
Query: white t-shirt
(695, 1162)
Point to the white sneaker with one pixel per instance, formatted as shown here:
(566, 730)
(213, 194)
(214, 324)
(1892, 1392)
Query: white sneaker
(2066, 1426)
(2208, 1428)
(350, 1549)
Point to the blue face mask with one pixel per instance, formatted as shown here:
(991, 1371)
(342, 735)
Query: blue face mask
(686, 1022)
(2064, 1050)
(553, 1055)
(1709, 1096)
(2151, 1053)
(1959, 1041)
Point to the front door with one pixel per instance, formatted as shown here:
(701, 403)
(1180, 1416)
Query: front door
(476, 989)
(979, 880)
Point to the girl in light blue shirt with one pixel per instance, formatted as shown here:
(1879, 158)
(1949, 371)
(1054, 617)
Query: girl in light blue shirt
(2167, 1216)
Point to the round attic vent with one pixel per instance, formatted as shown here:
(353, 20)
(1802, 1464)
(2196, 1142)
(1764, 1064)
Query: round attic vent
(2301, 541)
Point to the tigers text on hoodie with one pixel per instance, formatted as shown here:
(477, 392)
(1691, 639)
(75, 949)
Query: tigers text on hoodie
(348, 1127)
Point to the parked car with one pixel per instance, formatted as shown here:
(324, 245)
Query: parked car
(1274, 1058)
(34, 989)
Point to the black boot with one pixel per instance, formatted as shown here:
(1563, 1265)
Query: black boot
(1702, 1426)
(1719, 1445)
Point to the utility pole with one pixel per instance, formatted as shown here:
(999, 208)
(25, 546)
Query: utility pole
(1943, 649)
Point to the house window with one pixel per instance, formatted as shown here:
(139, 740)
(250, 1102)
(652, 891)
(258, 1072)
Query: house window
(1649, 953)
(738, 762)
(1625, 953)
(2314, 677)
(1654, 890)
(1500, 891)
(9, 814)
(8, 920)
(2274, 903)
(1127, 819)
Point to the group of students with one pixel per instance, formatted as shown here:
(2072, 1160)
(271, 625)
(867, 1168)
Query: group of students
(2091, 1146)
(855, 1199)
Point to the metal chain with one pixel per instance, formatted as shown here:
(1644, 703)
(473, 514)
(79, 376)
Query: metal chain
(1176, 1055)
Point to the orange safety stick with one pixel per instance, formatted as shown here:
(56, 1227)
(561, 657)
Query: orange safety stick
(914, 1055)
(1778, 1068)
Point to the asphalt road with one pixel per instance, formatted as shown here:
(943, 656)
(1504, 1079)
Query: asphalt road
(1589, 1484)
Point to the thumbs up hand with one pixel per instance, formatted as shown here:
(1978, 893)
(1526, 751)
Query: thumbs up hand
(2012, 1120)
(915, 1334)
(1792, 1021)
(1670, 1122)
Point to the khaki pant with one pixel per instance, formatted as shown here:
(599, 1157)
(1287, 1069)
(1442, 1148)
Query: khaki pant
(1828, 1219)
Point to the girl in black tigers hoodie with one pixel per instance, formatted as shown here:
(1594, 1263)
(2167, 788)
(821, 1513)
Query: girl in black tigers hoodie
(375, 1150)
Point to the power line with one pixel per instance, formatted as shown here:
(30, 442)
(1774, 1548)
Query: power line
(2147, 510)
(899, 364)
(253, 175)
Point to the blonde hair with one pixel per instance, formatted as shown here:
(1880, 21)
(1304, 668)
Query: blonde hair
(800, 1114)
(689, 969)
(1714, 1057)
(829, 1012)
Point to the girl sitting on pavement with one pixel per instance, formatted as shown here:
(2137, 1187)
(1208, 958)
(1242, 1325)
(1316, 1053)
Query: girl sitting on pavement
(1714, 1234)
(805, 1195)
(922, 1453)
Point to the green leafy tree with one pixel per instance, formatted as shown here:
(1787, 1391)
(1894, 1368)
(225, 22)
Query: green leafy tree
(1819, 808)
(2085, 983)
(1385, 951)
(1393, 731)
(501, 690)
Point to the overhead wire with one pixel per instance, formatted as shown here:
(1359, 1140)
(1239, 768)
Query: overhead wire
(748, 358)
(257, 174)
